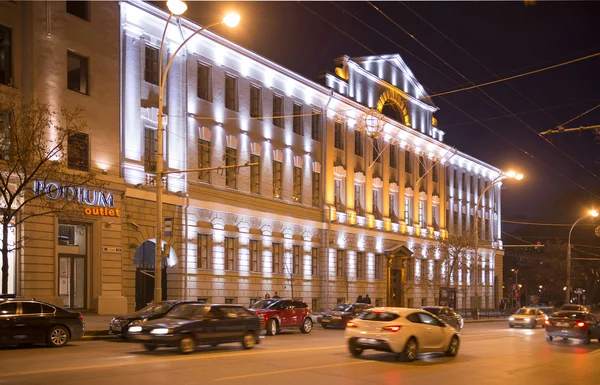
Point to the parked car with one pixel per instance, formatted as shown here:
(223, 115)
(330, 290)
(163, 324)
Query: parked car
(120, 324)
(279, 314)
(192, 324)
(27, 321)
(447, 314)
(340, 314)
(573, 308)
(528, 317)
(405, 332)
(573, 324)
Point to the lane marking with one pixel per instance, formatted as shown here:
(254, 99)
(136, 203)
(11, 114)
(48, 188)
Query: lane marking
(291, 370)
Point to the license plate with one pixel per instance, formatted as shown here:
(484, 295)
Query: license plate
(562, 324)
(368, 341)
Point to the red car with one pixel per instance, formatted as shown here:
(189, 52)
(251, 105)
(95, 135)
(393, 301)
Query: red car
(279, 314)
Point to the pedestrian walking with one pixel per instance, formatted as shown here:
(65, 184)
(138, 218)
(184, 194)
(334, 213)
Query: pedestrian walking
(359, 299)
(367, 299)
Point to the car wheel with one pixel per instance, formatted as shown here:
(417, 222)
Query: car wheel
(249, 340)
(306, 326)
(58, 336)
(272, 327)
(187, 344)
(150, 347)
(453, 347)
(588, 338)
(548, 339)
(355, 350)
(409, 354)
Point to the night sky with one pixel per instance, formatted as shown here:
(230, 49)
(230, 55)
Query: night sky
(507, 38)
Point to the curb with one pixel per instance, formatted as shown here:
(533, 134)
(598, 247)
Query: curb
(474, 321)
(98, 337)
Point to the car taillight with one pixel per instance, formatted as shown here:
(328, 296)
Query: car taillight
(548, 322)
(351, 325)
(393, 329)
(80, 317)
(580, 324)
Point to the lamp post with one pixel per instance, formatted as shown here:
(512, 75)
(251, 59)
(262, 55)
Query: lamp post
(591, 213)
(510, 174)
(516, 271)
(176, 7)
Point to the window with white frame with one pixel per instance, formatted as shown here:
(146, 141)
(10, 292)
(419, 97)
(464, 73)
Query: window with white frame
(204, 82)
(407, 216)
(296, 258)
(255, 101)
(377, 203)
(150, 149)
(337, 193)
(314, 270)
(316, 125)
(231, 93)
(230, 254)
(422, 214)
(358, 200)
(277, 175)
(277, 110)
(277, 257)
(255, 174)
(297, 193)
(151, 65)
(254, 248)
(360, 265)
(393, 200)
(204, 251)
(316, 189)
(297, 120)
(340, 264)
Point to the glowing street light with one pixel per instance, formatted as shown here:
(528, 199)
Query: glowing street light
(232, 20)
(590, 213)
(177, 7)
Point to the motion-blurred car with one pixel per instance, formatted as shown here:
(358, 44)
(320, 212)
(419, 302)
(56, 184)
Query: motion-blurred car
(193, 324)
(446, 314)
(27, 321)
(527, 317)
(573, 308)
(120, 324)
(340, 314)
(573, 324)
(405, 332)
(279, 314)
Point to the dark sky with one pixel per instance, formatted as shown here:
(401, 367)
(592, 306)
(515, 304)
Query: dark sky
(507, 38)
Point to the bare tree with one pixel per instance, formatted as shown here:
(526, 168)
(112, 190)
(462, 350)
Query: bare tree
(346, 279)
(292, 279)
(34, 142)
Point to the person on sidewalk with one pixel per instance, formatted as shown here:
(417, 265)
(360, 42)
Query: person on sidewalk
(367, 299)
(276, 295)
(359, 299)
(267, 296)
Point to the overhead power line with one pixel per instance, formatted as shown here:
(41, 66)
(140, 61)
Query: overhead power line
(543, 223)
(574, 129)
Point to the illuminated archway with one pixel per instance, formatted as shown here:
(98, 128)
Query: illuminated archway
(393, 106)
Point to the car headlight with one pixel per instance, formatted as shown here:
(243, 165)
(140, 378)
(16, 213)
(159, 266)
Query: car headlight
(526, 319)
(139, 321)
(135, 329)
(160, 331)
(511, 319)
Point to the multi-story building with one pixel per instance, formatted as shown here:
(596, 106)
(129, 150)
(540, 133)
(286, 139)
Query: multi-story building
(349, 185)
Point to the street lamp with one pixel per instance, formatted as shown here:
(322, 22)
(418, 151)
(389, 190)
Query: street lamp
(510, 174)
(176, 7)
(591, 213)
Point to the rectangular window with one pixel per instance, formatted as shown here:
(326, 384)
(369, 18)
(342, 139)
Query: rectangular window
(358, 200)
(422, 214)
(337, 191)
(296, 258)
(231, 93)
(360, 265)
(204, 160)
(393, 156)
(340, 264)
(255, 101)
(230, 260)
(5, 55)
(298, 119)
(377, 150)
(151, 65)
(277, 180)
(314, 262)
(277, 256)
(78, 157)
(150, 149)
(297, 197)
(255, 174)
(204, 251)
(77, 73)
(376, 201)
(254, 255)
(435, 176)
(204, 82)
(359, 143)
(339, 135)
(421, 166)
(277, 111)
(407, 162)
(379, 266)
(392, 204)
(315, 304)
(231, 173)
(316, 189)
(407, 217)
(316, 125)
(80, 9)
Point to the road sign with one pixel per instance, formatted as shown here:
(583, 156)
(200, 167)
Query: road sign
(168, 227)
(597, 231)
(579, 291)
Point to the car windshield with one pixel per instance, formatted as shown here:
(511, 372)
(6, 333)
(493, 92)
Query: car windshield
(569, 314)
(526, 312)
(265, 304)
(342, 307)
(188, 311)
(571, 307)
(156, 308)
(378, 316)
(433, 310)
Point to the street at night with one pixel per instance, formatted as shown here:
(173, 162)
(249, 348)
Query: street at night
(490, 353)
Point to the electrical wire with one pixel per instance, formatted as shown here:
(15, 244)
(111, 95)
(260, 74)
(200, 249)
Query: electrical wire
(586, 252)
(578, 116)
(589, 246)
(543, 223)
(517, 238)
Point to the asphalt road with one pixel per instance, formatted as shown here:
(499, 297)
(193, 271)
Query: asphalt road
(490, 353)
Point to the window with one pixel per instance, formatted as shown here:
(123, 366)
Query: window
(316, 125)
(340, 264)
(360, 264)
(422, 214)
(230, 262)
(315, 304)
(337, 191)
(48, 309)
(9, 308)
(393, 156)
(296, 257)
(359, 143)
(150, 149)
(314, 262)
(78, 156)
(81, 9)
(230, 301)
(316, 189)
(358, 199)
(255, 174)
(204, 82)
(255, 102)
(392, 204)
(434, 173)
(231, 93)
(66, 235)
(77, 73)
(277, 258)
(377, 150)
(231, 173)
(379, 266)
(421, 167)
(5, 55)
(376, 204)
(407, 162)
(297, 122)
(407, 217)
(204, 251)
(378, 302)
(254, 255)
(277, 180)
(277, 111)
(339, 135)
(151, 65)
(204, 160)
(297, 197)
(31, 307)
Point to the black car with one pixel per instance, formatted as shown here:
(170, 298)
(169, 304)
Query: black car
(119, 325)
(446, 314)
(192, 324)
(340, 314)
(579, 325)
(27, 321)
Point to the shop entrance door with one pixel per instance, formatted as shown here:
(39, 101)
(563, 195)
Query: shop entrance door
(72, 264)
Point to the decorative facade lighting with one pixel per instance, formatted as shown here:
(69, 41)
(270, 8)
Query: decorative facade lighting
(371, 123)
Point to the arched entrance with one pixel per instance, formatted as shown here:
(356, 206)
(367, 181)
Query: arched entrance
(144, 262)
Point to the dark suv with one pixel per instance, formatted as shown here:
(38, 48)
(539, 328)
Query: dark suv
(279, 314)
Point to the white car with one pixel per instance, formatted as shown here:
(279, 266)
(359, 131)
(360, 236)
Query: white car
(406, 332)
